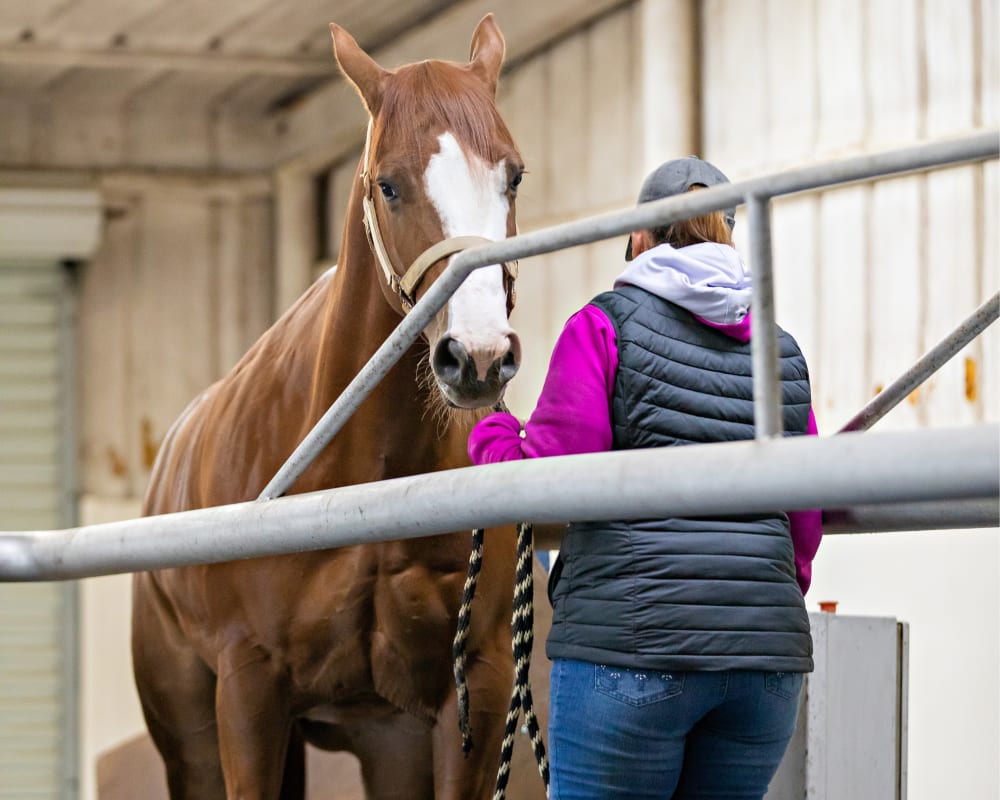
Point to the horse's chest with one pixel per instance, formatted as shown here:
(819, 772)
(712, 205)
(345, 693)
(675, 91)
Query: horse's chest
(346, 641)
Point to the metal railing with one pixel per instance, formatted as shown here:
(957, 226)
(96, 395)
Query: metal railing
(836, 472)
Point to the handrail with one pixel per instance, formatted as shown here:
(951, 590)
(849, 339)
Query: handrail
(976, 147)
(847, 472)
(727, 478)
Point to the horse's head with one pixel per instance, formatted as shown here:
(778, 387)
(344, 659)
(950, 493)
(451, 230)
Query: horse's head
(440, 163)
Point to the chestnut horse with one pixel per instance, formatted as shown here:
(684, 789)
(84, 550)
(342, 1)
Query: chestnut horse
(238, 664)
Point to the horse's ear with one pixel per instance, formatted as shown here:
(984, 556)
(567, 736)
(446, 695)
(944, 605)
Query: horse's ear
(487, 51)
(358, 67)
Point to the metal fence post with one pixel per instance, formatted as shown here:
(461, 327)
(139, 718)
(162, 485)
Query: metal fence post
(766, 388)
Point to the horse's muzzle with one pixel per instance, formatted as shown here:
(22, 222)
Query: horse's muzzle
(474, 380)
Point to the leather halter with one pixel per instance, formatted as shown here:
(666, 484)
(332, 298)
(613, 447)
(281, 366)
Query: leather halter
(406, 286)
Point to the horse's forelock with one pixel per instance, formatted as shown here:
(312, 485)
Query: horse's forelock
(421, 99)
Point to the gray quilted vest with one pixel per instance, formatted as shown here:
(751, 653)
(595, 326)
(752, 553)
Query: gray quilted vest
(712, 593)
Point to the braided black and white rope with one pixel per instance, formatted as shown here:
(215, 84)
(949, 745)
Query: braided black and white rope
(462, 636)
(522, 624)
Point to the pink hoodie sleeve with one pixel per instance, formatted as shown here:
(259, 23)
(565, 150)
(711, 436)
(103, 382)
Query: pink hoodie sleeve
(807, 530)
(573, 414)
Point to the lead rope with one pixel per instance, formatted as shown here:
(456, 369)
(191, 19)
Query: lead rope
(523, 636)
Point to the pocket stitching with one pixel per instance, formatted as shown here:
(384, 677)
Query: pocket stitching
(675, 688)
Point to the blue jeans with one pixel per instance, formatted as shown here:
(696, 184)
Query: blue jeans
(642, 734)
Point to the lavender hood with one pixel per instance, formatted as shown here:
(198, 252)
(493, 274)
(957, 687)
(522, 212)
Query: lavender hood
(710, 280)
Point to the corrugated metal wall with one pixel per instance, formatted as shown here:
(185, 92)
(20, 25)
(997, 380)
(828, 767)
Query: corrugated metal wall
(38, 732)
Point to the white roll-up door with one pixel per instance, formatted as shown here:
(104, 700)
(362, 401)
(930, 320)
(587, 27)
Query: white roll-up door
(37, 621)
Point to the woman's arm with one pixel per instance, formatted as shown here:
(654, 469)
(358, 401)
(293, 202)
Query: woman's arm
(573, 414)
(807, 530)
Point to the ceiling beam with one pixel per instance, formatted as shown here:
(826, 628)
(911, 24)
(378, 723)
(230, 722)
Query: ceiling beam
(329, 123)
(121, 58)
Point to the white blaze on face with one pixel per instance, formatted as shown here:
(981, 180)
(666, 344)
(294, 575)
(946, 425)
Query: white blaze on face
(471, 199)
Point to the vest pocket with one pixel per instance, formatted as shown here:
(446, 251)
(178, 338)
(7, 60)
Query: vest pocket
(637, 687)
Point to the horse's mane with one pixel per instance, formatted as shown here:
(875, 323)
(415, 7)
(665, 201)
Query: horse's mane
(440, 92)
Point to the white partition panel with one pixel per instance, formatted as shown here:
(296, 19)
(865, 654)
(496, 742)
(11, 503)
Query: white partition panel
(850, 739)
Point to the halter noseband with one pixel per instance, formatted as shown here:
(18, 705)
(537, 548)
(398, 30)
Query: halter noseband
(406, 286)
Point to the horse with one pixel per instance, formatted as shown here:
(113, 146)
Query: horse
(239, 664)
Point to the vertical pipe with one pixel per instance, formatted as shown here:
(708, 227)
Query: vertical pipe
(766, 391)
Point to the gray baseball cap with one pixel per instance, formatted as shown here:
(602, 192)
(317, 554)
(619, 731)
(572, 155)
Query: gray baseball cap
(676, 177)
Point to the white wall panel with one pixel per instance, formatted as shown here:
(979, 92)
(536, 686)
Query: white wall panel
(567, 73)
(792, 100)
(950, 68)
(988, 30)
(171, 362)
(840, 378)
(897, 291)
(952, 287)
(893, 79)
(109, 451)
(667, 78)
(522, 100)
(795, 250)
(612, 94)
(989, 364)
(841, 75)
(531, 319)
(734, 85)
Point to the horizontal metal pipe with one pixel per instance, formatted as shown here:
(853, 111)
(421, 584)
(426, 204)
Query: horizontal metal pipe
(728, 478)
(927, 365)
(883, 518)
(604, 226)
(924, 516)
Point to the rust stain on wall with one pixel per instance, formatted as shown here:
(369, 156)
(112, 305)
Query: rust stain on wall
(116, 463)
(971, 381)
(150, 445)
(914, 396)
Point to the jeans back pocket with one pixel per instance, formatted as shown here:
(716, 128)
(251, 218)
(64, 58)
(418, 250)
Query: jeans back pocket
(638, 687)
(783, 684)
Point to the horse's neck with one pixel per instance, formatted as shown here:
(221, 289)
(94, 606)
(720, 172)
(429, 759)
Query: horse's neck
(392, 432)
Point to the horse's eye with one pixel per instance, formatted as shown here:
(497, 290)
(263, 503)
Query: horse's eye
(516, 181)
(388, 191)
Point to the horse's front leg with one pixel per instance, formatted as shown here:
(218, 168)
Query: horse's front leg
(458, 776)
(254, 721)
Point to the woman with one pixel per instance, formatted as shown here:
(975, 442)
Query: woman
(678, 645)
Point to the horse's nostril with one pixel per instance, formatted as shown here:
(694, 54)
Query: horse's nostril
(508, 366)
(512, 358)
(449, 359)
